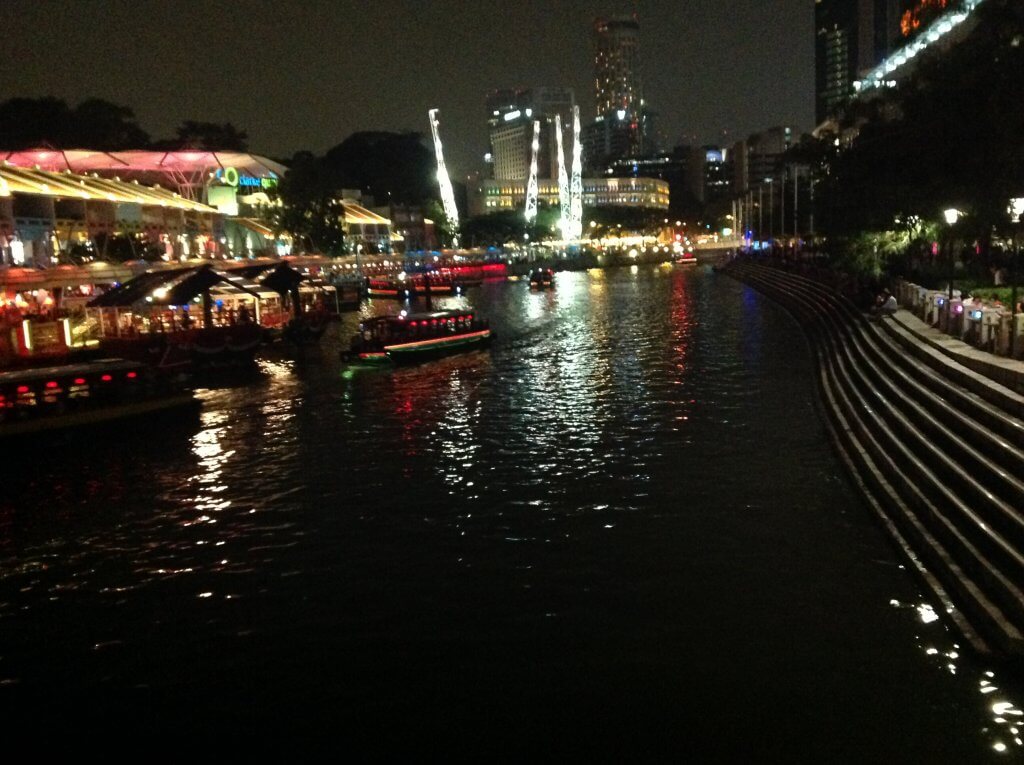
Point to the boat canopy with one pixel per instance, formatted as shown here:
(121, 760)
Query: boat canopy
(280, 278)
(178, 286)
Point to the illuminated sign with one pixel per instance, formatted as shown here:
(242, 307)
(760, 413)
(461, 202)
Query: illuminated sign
(921, 14)
(231, 177)
(513, 115)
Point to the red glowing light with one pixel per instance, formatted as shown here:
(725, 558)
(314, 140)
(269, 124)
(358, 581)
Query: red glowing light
(106, 378)
(132, 375)
(23, 389)
(79, 381)
(51, 384)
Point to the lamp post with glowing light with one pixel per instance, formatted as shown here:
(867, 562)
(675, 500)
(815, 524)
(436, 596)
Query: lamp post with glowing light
(952, 215)
(1017, 219)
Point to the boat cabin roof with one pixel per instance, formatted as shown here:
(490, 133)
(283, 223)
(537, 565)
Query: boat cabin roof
(410, 317)
(64, 370)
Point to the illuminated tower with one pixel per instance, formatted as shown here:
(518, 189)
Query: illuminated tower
(531, 184)
(576, 184)
(617, 66)
(563, 181)
(443, 181)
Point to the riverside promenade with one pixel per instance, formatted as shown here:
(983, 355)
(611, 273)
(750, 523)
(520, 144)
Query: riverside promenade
(932, 431)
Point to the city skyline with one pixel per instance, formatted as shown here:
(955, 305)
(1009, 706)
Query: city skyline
(708, 71)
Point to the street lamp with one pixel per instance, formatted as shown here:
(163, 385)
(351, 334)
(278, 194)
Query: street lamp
(1017, 218)
(952, 215)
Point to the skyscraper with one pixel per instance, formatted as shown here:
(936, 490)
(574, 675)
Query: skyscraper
(617, 66)
(622, 124)
(851, 37)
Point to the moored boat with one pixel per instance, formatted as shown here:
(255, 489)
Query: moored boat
(542, 279)
(410, 285)
(410, 338)
(46, 399)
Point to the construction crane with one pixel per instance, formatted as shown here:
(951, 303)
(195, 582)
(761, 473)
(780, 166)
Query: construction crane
(443, 181)
(563, 181)
(531, 185)
(576, 184)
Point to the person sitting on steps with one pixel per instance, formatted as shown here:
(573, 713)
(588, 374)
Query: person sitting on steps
(885, 305)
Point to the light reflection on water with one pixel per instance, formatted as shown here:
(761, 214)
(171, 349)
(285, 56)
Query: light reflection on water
(636, 469)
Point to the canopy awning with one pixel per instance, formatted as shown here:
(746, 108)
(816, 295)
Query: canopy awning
(67, 185)
(358, 214)
(185, 161)
(178, 286)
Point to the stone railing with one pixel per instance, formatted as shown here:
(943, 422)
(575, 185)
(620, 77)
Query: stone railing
(988, 326)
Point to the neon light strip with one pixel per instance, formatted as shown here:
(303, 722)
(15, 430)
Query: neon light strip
(437, 341)
(878, 77)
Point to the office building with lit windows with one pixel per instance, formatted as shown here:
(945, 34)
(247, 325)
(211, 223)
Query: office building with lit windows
(851, 38)
(510, 117)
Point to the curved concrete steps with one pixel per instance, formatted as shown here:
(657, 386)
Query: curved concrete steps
(942, 466)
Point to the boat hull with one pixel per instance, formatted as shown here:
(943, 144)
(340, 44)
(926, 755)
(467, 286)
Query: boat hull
(182, 403)
(425, 350)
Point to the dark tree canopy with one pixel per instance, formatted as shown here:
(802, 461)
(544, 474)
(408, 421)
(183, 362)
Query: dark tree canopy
(311, 211)
(209, 136)
(27, 123)
(395, 167)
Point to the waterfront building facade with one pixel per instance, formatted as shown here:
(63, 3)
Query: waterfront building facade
(48, 219)
(491, 195)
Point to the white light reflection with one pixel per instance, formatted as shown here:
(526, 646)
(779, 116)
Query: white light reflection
(927, 613)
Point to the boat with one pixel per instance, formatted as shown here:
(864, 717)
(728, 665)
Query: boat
(542, 279)
(406, 286)
(46, 399)
(410, 338)
(685, 258)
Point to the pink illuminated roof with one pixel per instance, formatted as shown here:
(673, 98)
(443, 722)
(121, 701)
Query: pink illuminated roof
(183, 162)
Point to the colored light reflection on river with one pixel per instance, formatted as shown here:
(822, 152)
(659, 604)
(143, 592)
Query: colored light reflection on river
(621, 524)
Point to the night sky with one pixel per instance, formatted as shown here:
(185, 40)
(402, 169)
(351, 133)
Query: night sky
(304, 74)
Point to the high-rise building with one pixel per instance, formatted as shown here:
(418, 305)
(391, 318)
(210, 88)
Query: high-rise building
(924, 28)
(617, 65)
(852, 37)
(759, 158)
(622, 124)
(510, 117)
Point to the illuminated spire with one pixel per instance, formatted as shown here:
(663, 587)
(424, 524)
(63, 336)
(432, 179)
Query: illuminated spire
(443, 181)
(576, 185)
(531, 185)
(563, 181)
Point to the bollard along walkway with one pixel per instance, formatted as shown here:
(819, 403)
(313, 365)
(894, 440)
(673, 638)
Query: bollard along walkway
(936, 446)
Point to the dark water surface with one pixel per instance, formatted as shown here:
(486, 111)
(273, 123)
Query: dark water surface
(621, 532)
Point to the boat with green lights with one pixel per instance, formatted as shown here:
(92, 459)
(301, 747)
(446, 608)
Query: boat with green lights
(411, 338)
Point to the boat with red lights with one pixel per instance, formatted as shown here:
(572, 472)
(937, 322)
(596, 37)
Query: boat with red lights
(410, 338)
(46, 399)
(406, 286)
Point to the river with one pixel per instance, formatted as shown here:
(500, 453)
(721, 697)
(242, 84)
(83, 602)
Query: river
(620, 531)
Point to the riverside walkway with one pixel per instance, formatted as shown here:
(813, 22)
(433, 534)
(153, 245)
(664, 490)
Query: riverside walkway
(932, 431)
